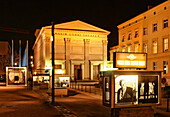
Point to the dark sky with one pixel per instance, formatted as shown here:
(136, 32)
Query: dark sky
(28, 15)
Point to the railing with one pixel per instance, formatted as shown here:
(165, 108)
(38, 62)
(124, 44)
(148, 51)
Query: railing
(87, 86)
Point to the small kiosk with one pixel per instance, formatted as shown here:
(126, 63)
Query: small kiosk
(131, 92)
(16, 76)
(61, 82)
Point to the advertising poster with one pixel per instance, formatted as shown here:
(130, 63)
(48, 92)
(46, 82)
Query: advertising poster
(107, 89)
(134, 89)
(148, 89)
(16, 76)
(126, 88)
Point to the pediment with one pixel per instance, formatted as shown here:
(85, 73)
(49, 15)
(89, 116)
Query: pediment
(79, 25)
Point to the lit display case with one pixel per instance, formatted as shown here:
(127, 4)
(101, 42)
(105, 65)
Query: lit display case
(16, 76)
(62, 81)
(131, 88)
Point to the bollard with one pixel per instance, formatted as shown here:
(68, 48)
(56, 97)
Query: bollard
(167, 109)
(90, 89)
(85, 88)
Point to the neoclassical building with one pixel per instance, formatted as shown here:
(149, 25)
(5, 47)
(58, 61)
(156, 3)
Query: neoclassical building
(80, 49)
(148, 32)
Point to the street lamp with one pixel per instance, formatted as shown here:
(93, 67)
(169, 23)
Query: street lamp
(52, 39)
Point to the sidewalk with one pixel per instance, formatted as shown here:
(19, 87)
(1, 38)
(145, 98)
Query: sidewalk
(85, 104)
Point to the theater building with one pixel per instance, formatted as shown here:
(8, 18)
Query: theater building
(149, 32)
(80, 49)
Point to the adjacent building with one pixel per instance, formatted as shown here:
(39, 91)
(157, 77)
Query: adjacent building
(80, 49)
(5, 56)
(149, 32)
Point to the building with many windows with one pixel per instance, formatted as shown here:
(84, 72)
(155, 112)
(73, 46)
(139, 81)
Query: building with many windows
(80, 49)
(149, 32)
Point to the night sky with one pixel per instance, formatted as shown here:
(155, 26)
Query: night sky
(20, 18)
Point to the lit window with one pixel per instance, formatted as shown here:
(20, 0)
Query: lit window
(165, 44)
(130, 36)
(145, 48)
(165, 23)
(136, 34)
(165, 63)
(154, 66)
(129, 48)
(154, 27)
(123, 49)
(155, 47)
(136, 48)
(144, 31)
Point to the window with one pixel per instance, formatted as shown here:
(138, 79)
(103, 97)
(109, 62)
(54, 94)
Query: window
(165, 64)
(145, 48)
(155, 47)
(129, 48)
(165, 44)
(136, 34)
(129, 36)
(145, 31)
(136, 47)
(154, 27)
(154, 13)
(154, 65)
(57, 66)
(123, 49)
(123, 38)
(164, 8)
(165, 23)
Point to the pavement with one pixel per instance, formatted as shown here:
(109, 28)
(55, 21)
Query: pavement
(23, 102)
(85, 104)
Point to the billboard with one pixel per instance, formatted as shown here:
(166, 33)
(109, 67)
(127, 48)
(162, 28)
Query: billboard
(129, 60)
(16, 76)
(131, 88)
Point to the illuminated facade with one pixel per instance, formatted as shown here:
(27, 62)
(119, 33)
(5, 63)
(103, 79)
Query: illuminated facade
(149, 32)
(80, 49)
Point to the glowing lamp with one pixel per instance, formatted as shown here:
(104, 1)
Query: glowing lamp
(60, 71)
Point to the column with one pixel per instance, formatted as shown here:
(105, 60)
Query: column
(86, 59)
(82, 67)
(104, 42)
(71, 70)
(67, 55)
(91, 69)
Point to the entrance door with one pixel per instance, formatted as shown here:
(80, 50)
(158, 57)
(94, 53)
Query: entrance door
(77, 72)
(96, 69)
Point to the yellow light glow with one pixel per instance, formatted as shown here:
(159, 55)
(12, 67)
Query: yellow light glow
(134, 62)
(35, 73)
(31, 57)
(51, 38)
(15, 63)
(60, 71)
(142, 63)
(127, 62)
(120, 62)
(131, 57)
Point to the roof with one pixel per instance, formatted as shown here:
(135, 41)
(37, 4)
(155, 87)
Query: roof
(142, 15)
(78, 25)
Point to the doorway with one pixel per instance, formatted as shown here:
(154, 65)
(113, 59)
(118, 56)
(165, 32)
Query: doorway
(77, 72)
(96, 70)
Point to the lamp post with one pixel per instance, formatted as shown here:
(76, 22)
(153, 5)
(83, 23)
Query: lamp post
(52, 39)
